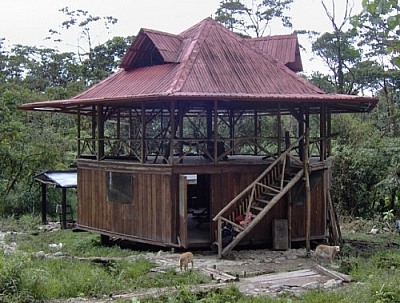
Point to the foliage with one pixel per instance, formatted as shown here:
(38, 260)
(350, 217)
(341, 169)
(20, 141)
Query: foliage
(26, 276)
(379, 25)
(253, 17)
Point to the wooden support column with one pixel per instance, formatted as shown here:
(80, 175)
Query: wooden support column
(256, 121)
(279, 127)
(172, 135)
(231, 129)
(307, 182)
(94, 123)
(44, 203)
(64, 208)
(329, 130)
(215, 137)
(301, 132)
(181, 114)
(143, 134)
(290, 201)
(322, 133)
(100, 133)
(78, 122)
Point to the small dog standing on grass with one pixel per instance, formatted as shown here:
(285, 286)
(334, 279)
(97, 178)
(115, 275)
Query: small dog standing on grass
(185, 259)
(325, 251)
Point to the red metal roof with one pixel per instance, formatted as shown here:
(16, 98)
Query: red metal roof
(284, 48)
(206, 61)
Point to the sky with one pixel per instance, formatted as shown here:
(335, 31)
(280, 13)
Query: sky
(27, 22)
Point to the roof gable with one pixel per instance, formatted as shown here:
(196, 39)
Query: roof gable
(284, 48)
(152, 48)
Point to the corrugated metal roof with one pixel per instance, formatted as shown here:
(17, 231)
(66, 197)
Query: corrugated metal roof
(209, 62)
(284, 48)
(64, 179)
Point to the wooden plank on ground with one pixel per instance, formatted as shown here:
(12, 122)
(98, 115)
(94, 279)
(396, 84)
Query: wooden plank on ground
(294, 278)
(219, 275)
(333, 274)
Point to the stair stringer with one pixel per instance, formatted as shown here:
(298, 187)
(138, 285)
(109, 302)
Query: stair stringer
(262, 214)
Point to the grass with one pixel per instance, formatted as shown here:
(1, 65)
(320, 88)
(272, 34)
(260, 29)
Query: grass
(372, 260)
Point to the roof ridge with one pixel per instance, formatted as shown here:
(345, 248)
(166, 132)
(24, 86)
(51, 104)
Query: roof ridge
(154, 31)
(271, 37)
(188, 61)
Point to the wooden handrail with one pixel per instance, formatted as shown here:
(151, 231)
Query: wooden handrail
(256, 181)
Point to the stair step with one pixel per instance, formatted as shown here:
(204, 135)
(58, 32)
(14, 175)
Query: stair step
(262, 200)
(257, 208)
(291, 173)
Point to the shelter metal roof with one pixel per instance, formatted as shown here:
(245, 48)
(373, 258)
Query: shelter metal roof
(63, 179)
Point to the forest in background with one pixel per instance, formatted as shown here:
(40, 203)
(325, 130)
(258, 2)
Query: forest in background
(361, 53)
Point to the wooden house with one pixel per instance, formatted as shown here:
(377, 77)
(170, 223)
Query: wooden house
(201, 130)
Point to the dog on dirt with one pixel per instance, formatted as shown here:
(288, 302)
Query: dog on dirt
(185, 259)
(325, 251)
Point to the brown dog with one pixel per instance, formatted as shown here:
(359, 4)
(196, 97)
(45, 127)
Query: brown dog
(325, 251)
(185, 259)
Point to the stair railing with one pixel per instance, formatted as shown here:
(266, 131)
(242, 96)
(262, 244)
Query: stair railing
(251, 189)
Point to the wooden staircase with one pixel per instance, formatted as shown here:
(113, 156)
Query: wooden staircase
(256, 200)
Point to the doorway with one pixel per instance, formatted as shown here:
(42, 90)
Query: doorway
(198, 209)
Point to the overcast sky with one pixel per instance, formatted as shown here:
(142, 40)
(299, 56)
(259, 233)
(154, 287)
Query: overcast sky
(27, 22)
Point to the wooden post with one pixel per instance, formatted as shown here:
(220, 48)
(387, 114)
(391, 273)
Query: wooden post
(143, 134)
(44, 203)
(256, 132)
(170, 159)
(290, 202)
(329, 130)
(301, 133)
(94, 130)
(215, 132)
(219, 237)
(100, 133)
(64, 208)
(78, 122)
(322, 133)
(279, 122)
(308, 191)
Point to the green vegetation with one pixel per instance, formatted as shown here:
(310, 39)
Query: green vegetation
(373, 260)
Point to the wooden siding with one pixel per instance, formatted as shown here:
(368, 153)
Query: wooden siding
(318, 212)
(153, 217)
(148, 218)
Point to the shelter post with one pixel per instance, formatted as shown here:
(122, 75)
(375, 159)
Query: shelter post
(44, 203)
(64, 208)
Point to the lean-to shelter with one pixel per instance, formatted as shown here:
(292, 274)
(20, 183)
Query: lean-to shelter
(203, 130)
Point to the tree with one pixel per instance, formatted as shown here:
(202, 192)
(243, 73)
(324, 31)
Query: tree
(86, 52)
(378, 27)
(379, 24)
(337, 50)
(252, 17)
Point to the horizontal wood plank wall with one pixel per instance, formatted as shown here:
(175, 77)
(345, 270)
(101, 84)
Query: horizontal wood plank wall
(149, 217)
